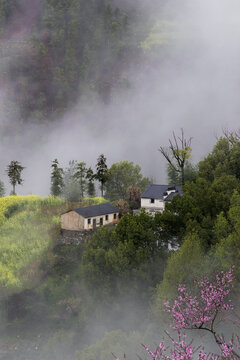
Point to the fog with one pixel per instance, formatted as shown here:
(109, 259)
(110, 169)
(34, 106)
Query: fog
(195, 87)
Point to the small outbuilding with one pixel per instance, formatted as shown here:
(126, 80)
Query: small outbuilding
(90, 217)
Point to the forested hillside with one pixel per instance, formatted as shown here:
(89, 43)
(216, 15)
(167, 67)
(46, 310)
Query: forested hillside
(102, 298)
(86, 301)
(59, 50)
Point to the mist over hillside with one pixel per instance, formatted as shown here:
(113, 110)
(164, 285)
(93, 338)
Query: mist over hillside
(180, 70)
(80, 78)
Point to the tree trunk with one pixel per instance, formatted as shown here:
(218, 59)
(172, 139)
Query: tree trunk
(182, 173)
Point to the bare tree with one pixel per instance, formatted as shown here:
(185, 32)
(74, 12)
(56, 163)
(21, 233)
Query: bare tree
(232, 136)
(177, 153)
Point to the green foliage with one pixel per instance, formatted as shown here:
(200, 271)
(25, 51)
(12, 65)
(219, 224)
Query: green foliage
(182, 267)
(227, 230)
(121, 176)
(115, 342)
(2, 189)
(76, 47)
(71, 191)
(207, 218)
(162, 34)
(94, 200)
(177, 153)
(102, 171)
(222, 228)
(57, 183)
(202, 202)
(80, 176)
(59, 346)
(90, 184)
(223, 160)
(25, 237)
(190, 174)
(14, 171)
(128, 254)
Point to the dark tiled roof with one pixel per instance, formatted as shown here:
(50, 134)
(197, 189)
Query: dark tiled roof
(97, 210)
(159, 191)
(171, 195)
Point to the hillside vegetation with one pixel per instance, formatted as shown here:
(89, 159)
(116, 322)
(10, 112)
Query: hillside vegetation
(71, 48)
(55, 53)
(25, 236)
(29, 226)
(80, 298)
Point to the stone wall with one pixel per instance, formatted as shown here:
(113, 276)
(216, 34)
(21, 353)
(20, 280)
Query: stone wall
(69, 237)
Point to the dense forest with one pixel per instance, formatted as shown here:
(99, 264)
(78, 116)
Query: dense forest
(54, 52)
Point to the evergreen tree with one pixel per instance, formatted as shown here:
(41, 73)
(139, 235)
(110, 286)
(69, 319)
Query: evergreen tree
(57, 183)
(190, 174)
(90, 186)
(80, 176)
(14, 171)
(102, 171)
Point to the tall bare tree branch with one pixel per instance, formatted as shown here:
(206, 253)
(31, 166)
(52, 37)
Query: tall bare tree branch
(177, 152)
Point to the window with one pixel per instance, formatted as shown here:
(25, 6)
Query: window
(101, 221)
(152, 201)
(106, 218)
(89, 221)
(115, 216)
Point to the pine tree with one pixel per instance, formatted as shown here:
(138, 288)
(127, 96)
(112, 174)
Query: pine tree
(57, 183)
(80, 176)
(102, 171)
(14, 171)
(90, 186)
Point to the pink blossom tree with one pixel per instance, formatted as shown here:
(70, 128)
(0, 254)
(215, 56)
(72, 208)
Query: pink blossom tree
(200, 312)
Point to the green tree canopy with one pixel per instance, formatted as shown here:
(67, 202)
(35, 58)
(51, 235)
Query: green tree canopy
(127, 254)
(122, 175)
(190, 174)
(224, 159)
(200, 205)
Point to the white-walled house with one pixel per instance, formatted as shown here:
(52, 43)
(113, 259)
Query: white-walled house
(90, 217)
(155, 197)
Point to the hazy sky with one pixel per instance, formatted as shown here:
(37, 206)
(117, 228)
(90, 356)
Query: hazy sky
(195, 88)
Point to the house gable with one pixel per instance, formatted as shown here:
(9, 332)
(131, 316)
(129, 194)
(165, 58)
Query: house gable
(72, 221)
(156, 196)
